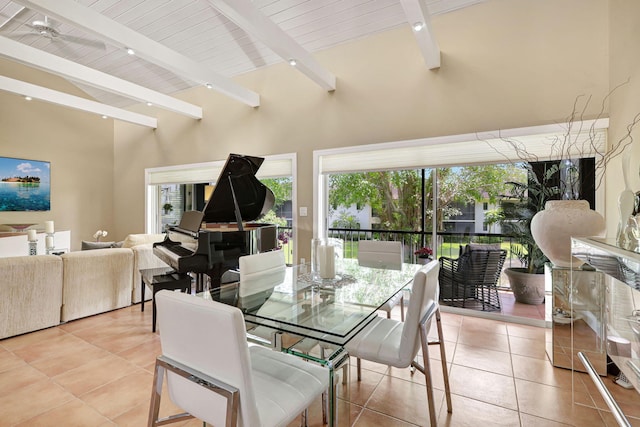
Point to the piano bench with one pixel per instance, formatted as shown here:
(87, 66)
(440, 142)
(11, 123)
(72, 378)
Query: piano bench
(163, 278)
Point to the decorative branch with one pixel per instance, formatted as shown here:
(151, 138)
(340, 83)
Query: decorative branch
(574, 144)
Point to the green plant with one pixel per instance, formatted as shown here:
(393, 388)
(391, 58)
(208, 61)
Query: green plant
(519, 207)
(167, 207)
(346, 220)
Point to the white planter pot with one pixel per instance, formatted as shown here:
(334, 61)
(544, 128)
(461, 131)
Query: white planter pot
(560, 220)
(527, 288)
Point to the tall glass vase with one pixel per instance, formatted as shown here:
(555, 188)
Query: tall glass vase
(626, 207)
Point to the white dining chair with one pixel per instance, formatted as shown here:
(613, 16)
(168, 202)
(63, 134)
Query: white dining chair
(396, 344)
(383, 254)
(259, 274)
(214, 375)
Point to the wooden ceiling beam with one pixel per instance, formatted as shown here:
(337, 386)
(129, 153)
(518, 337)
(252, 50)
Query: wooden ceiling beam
(40, 93)
(119, 35)
(247, 16)
(419, 18)
(68, 69)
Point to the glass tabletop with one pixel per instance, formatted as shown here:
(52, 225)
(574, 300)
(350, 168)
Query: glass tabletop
(329, 310)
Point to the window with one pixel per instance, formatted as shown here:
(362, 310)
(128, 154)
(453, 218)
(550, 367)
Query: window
(453, 160)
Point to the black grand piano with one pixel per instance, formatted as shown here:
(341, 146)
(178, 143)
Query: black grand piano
(212, 241)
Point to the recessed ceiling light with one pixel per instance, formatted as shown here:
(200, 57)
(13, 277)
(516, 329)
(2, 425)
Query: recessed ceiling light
(105, 117)
(28, 98)
(149, 104)
(209, 86)
(418, 26)
(293, 62)
(131, 51)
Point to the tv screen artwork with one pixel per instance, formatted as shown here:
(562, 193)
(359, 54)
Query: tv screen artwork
(24, 185)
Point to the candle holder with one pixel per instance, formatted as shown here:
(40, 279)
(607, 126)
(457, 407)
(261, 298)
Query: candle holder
(33, 247)
(49, 243)
(315, 258)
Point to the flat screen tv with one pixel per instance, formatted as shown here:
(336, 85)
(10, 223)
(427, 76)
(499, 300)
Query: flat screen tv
(25, 185)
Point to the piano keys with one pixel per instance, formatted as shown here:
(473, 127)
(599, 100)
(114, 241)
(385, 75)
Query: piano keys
(212, 241)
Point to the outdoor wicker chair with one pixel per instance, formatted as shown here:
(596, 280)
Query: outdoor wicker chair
(470, 281)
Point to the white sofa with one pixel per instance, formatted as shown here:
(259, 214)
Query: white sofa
(30, 293)
(143, 257)
(37, 292)
(95, 281)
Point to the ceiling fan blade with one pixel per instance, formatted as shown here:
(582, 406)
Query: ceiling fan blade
(83, 41)
(66, 49)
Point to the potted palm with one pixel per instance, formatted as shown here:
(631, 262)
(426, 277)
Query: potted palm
(517, 210)
(566, 214)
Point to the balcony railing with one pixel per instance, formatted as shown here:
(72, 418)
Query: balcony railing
(447, 243)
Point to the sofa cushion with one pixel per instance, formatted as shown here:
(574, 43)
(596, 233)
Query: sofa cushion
(95, 281)
(30, 293)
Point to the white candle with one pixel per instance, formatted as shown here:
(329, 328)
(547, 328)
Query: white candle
(31, 235)
(327, 262)
(48, 242)
(48, 227)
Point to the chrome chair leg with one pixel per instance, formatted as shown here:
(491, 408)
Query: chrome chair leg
(426, 368)
(443, 360)
(163, 364)
(325, 406)
(305, 416)
(156, 393)
(427, 376)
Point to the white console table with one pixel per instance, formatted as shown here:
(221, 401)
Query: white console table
(17, 245)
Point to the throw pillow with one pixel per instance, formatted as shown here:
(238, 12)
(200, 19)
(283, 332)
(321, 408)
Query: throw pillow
(484, 246)
(140, 239)
(98, 245)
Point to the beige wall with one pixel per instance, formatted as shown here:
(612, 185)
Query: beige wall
(505, 64)
(79, 146)
(625, 104)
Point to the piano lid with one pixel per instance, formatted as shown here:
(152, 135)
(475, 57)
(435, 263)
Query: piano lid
(253, 198)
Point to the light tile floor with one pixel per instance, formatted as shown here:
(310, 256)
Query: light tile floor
(97, 371)
(510, 307)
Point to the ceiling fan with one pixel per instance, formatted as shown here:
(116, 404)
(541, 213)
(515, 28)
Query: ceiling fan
(48, 28)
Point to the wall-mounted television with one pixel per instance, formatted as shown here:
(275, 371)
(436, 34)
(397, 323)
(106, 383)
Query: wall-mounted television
(25, 185)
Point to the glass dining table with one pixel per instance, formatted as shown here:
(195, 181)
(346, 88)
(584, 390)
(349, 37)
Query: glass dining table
(299, 310)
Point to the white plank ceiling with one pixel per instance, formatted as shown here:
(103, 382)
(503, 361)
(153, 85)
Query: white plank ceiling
(205, 39)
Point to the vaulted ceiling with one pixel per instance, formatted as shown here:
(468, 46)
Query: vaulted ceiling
(178, 44)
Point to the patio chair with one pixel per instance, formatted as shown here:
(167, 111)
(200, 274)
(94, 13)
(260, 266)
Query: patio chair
(470, 281)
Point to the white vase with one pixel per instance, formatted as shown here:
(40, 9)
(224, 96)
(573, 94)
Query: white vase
(560, 220)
